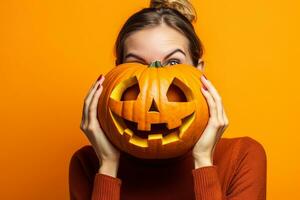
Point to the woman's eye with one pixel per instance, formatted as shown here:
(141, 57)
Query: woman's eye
(173, 62)
(135, 61)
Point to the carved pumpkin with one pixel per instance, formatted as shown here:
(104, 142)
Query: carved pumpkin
(153, 112)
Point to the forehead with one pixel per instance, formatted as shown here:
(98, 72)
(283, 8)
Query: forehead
(155, 41)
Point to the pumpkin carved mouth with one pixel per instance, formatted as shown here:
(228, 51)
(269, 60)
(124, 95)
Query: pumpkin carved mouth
(159, 133)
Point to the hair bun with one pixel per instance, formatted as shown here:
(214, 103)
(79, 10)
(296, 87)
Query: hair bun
(182, 6)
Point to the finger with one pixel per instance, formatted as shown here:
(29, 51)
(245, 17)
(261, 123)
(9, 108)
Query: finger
(94, 84)
(225, 120)
(210, 87)
(87, 103)
(89, 97)
(94, 104)
(211, 104)
(97, 86)
(218, 137)
(93, 89)
(218, 101)
(225, 116)
(221, 131)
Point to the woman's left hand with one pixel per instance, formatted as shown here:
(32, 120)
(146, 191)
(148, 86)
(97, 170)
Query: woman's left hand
(204, 148)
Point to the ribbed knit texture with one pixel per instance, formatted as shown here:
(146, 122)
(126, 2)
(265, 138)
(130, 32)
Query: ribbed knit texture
(206, 183)
(103, 185)
(238, 173)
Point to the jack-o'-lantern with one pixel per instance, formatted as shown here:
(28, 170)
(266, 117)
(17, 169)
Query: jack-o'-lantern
(153, 112)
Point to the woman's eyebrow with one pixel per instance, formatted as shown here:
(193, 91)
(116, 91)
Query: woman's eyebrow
(166, 57)
(134, 56)
(175, 51)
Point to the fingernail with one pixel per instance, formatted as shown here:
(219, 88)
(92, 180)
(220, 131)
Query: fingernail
(99, 77)
(204, 88)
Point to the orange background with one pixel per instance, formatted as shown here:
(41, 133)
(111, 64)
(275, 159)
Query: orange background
(52, 51)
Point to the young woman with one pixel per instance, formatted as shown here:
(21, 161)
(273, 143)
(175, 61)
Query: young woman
(215, 169)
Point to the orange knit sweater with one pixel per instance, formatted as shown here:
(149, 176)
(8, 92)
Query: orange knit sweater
(238, 173)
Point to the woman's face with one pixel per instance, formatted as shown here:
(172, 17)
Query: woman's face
(161, 43)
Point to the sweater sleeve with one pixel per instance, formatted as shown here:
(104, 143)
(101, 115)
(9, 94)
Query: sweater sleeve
(84, 184)
(106, 187)
(248, 181)
(206, 183)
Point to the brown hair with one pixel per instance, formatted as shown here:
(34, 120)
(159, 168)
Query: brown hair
(177, 14)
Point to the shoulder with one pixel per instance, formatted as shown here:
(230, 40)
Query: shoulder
(245, 167)
(242, 145)
(84, 160)
(85, 154)
(240, 150)
(85, 151)
(253, 150)
(247, 151)
(248, 145)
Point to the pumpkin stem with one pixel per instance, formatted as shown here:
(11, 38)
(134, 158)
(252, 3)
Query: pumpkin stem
(156, 64)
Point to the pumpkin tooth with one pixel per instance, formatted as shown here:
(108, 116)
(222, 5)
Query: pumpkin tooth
(155, 136)
(155, 140)
(172, 137)
(128, 133)
(137, 141)
(144, 126)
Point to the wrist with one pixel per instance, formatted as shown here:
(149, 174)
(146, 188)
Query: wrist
(109, 168)
(202, 161)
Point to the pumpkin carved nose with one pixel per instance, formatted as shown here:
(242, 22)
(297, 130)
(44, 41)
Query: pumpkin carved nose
(153, 107)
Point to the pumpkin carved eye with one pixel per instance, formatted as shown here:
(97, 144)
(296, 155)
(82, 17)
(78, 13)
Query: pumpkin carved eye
(178, 92)
(126, 90)
(131, 93)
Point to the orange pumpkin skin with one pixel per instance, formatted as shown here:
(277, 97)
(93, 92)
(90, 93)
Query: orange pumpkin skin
(153, 112)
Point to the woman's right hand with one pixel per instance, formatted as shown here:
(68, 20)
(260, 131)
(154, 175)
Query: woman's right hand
(107, 154)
